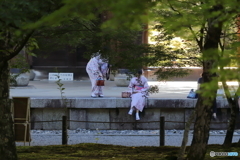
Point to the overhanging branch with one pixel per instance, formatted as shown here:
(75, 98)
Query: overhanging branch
(19, 47)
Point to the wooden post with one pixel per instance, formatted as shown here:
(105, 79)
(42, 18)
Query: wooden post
(64, 130)
(162, 131)
(21, 118)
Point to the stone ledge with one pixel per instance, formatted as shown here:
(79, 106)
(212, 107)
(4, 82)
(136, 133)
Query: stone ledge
(117, 103)
(82, 112)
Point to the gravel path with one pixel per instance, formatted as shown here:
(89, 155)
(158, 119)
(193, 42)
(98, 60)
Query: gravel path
(120, 137)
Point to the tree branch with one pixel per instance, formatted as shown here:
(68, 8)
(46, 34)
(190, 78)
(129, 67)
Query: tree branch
(222, 45)
(82, 25)
(19, 47)
(174, 8)
(196, 38)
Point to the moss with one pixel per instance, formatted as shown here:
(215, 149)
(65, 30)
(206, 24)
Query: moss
(100, 151)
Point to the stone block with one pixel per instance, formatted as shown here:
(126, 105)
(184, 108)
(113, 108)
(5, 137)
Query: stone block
(222, 117)
(220, 123)
(94, 103)
(185, 103)
(121, 115)
(46, 103)
(129, 121)
(187, 115)
(98, 115)
(222, 103)
(161, 103)
(77, 115)
(36, 116)
(174, 118)
(54, 115)
(114, 110)
(123, 102)
(150, 118)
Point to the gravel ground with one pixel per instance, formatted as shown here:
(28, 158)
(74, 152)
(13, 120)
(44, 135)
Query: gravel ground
(120, 137)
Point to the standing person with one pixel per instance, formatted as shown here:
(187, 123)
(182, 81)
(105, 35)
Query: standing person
(214, 109)
(105, 69)
(139, 87)
(95, 71)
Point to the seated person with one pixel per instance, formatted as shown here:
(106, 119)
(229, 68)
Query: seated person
(138, 87)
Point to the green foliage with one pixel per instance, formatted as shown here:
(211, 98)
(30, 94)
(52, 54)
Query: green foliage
(166, 73)
(124, 13)
(20, 62)
(193, 19)
(61, 89)
(189, 19)
(12, 79)
(175, 17)
(16, 14)
(153, 89)
(121, 46)
(71, 32)
(171, 60)
(30, 46)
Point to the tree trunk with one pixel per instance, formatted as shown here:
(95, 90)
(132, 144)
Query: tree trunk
(7, 137)
(207, 95)
(201, 129)
(185, 136)
(234, 110)
(231, 126)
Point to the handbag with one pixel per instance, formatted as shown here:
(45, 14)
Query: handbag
(192, 94)
(126, 94)
(99, 82)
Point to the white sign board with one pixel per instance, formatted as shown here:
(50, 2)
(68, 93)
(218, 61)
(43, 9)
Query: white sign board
(62, 76)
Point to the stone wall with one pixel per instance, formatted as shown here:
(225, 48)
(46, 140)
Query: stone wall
(113, 111)
(194, 74)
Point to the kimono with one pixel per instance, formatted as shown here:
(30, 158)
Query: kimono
(93, 69)
(138, 88)
(105, 69)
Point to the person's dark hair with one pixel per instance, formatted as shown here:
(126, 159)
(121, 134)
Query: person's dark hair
(139, 73)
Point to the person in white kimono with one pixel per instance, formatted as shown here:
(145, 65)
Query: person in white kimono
(95, 71)
(139, 88)
(105, 69)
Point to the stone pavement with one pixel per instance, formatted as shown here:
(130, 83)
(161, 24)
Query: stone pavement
(82, 88)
